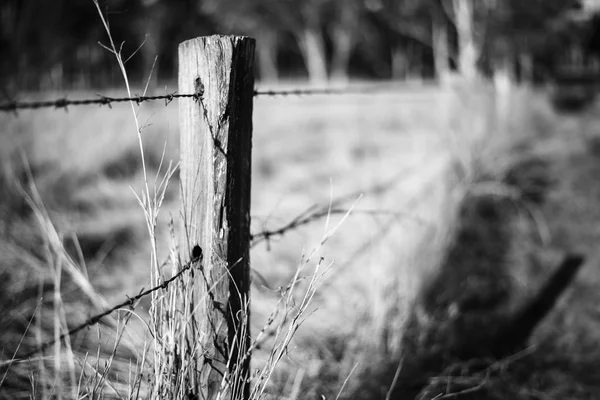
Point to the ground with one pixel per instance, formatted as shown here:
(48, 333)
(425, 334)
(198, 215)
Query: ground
(402, 159)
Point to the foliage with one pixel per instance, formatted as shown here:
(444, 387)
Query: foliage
(330, 37)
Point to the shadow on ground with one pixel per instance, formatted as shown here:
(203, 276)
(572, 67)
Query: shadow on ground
(508, 315)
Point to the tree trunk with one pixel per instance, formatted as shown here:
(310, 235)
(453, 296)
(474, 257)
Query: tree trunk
(267, 56)
(52, 79)
(312, 48)
(526, 65)
(467, 52)
(441, 51)
(343, 42)
(342, 49)
(400, 62)
(416, 68)
(57, 75)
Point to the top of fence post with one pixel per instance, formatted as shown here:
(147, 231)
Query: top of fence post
(216, 134)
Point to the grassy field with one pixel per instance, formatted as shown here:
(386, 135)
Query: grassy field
(400, 159)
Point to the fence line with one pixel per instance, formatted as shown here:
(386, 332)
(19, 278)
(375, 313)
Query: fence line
(312, 214)
(221, 214)
(64, 103)
(306, 217)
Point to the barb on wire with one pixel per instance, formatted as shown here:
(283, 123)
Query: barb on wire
(63, 103)
(130, 302)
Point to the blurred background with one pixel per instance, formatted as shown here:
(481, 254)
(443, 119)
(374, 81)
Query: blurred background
(462, 91)
(55, 46)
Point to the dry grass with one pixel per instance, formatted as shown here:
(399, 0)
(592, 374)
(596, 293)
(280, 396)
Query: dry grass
(403, 160)
(302, 160)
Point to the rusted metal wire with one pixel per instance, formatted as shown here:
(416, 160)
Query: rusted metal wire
(130, 302)
(64, 103)
(101, 100)
(320, 91)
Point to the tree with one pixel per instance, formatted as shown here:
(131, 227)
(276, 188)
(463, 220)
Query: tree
(258, 18)
(410, 24)
(468, 49)
(151, 22)
(313, 24)
(159, 25)
(519, 32)
(343, 27)
(494, 36)
(440, 45)
(306, 23)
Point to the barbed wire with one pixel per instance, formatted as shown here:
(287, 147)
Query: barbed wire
(374, 88)
(130, 302)
(304, 218)
(64, 103)
(317, 211)
(309, 216)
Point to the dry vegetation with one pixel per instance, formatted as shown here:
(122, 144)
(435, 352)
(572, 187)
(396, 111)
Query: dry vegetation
(403, 161)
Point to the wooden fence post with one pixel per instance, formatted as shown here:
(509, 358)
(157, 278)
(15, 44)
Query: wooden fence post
(216, 140)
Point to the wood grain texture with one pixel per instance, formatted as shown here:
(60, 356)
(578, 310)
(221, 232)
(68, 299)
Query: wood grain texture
(216, 137)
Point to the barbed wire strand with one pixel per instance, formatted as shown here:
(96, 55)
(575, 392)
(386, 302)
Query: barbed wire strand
(64, 103)
(307, 217)
(317, 211)
(130, 302)
(323, 91)
(304, 218)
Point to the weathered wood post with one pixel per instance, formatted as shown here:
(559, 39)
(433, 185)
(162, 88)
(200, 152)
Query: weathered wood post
(216, 140)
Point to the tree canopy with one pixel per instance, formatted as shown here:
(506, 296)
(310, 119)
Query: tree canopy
(55, 44)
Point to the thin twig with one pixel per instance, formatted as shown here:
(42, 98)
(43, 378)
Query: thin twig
(395, 380)
(346, 382)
